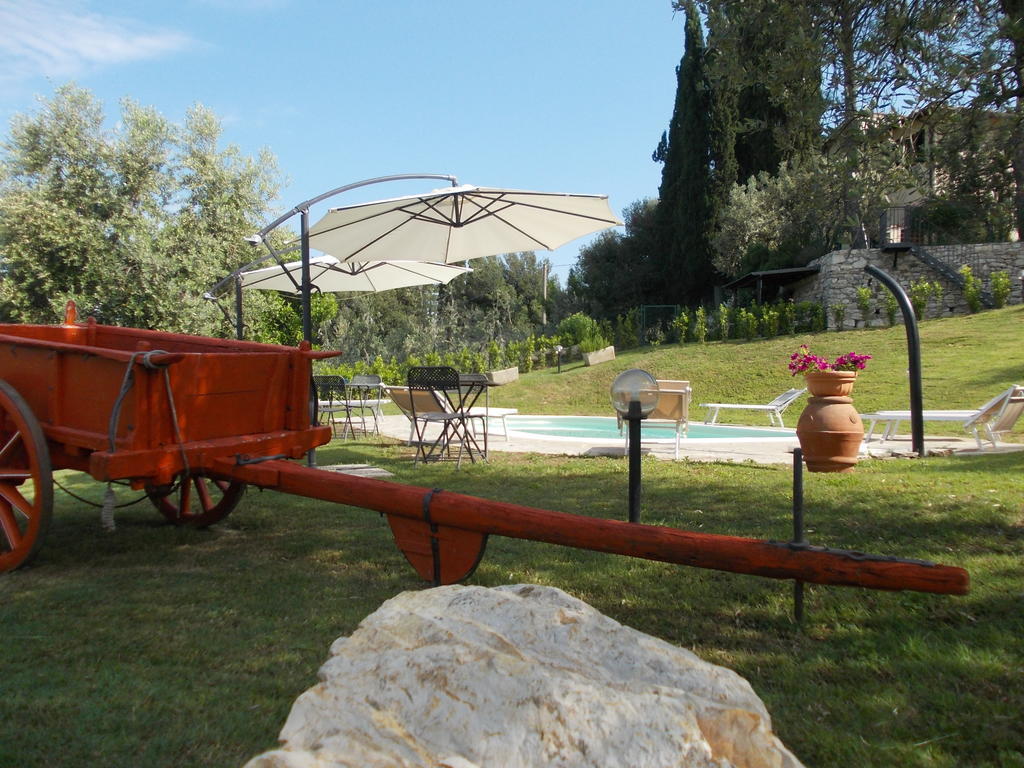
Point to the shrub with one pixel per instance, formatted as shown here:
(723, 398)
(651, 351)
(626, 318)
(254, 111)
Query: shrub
(655, 335)
(593, 343)
(769, 321)
(892, 306)
(700, 326)
(838, 315)
(520, 354)
(389, 371)
(810, 316)
(479, 363)
(920, 290)
(787, 317)
(625, 334)
(1000, 282)
(746, 323)
(575, 328)
(723, 321)
(526, 353)
(495, 356)
(937, 293)
(972, 288)
(864, 296)
(681, 325)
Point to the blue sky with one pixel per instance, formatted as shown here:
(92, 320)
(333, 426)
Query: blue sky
(550, 95)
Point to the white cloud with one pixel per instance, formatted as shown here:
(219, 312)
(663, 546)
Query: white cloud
(59, 40)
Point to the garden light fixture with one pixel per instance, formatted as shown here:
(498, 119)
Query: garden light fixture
(634, 395)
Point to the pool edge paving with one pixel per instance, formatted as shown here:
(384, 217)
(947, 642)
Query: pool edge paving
(772, 451)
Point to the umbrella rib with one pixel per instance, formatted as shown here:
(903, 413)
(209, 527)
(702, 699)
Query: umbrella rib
(488, 204)
(374, 241)
(413, 216)
(319, 233)
(442, 218)
(409, 210)
(484, 211)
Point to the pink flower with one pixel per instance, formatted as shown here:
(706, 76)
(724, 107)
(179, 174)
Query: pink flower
(802, 361)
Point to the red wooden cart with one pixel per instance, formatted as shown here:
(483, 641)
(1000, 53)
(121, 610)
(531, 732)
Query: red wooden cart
(193, 420)
(149, 407)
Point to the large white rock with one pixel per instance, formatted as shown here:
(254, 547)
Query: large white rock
(519, 676)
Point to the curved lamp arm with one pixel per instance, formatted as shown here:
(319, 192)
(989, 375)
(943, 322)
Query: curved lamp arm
(913, 354)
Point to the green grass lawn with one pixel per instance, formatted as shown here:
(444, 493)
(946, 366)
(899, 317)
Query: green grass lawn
(965, 362)
(160, 646)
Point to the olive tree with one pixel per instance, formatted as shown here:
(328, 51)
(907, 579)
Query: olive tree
(134, 222)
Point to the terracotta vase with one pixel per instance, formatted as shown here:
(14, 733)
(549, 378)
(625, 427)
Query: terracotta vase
(830, 430)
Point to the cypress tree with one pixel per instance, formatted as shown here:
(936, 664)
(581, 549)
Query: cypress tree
(763, 62)
(685, 212)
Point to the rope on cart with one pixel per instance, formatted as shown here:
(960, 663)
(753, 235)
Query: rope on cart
(174, 421)
(126, 384)
(84, 500)
(108, 506)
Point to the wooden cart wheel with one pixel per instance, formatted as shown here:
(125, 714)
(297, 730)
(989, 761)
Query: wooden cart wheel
(26, 481)
(197, 500)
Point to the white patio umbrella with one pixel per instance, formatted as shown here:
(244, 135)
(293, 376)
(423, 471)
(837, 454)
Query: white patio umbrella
(458, 223)
(446, 226)
(328, 275)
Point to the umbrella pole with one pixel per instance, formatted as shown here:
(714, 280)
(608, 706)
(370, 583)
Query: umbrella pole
(307, 316)
(239, 323)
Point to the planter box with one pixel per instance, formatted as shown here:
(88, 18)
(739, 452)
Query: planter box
(599, 356)
(503, 376)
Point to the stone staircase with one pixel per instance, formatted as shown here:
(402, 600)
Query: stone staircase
(900, 233)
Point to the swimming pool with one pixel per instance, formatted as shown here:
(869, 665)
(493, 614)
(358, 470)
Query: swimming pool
(587, 428)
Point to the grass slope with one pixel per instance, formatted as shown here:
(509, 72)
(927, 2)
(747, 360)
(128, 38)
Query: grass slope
(965, 362)
(160, 646)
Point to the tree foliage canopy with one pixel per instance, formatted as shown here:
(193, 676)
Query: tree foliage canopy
(133, 223)
(820, 114)
(685, 214)
(502, 300)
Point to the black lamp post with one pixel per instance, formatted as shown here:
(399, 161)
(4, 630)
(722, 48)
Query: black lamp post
(558, 354)
(634, 394)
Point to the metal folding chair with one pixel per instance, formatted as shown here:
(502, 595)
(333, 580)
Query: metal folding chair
(331, 401)
(365, 396)
(454, 397)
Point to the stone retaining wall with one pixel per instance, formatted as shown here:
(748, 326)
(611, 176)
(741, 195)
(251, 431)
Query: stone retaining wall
(842, 272)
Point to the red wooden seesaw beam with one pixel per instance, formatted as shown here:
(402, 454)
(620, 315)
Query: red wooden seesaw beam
(443, 534)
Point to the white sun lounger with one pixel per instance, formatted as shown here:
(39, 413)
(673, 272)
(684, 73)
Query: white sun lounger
(672, 409)
(992, 420)
(774, 409)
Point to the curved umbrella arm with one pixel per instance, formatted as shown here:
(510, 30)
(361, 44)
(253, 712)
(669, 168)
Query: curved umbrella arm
(307, 204)
(303, 207)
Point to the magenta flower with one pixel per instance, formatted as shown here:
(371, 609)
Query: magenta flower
(803, 361)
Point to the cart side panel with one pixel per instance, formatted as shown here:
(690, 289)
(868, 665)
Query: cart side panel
(219, 395)
(86, 390)
(216, 394)
(75, 391)
(31, 371)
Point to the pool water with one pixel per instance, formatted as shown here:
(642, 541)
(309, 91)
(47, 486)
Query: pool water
(606, 428)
